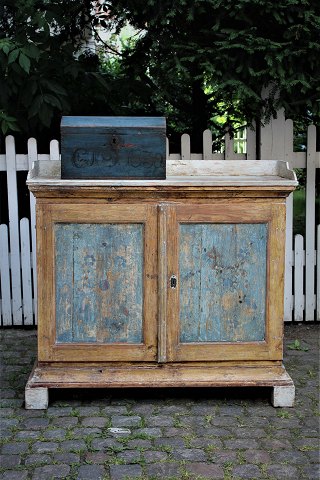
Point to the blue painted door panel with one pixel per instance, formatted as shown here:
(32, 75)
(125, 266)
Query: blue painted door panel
(222, 270)
(99, 283)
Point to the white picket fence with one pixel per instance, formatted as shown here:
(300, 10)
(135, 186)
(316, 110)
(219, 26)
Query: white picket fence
(302, 285)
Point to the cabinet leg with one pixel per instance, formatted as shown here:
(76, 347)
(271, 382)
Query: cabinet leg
(36, 398)
(283, 396)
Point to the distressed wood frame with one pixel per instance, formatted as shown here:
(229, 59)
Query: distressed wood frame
(48, 349)
(273, 214)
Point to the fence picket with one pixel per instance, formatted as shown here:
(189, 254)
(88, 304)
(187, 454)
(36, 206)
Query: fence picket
(207, 145)
(286, 155)
(32, 157)
(54, 150)
(299, 304)
(228, 147)
(310, 221)
(185, 147)
(26, 272)
(5, 277)
(298, 278)
(14, 231)
(251, 142)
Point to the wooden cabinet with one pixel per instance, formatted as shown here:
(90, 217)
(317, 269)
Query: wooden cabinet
(175, 282)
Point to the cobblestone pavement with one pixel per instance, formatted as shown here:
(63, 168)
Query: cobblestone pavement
(166, 434)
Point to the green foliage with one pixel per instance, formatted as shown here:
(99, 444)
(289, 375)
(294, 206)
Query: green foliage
(201, 54)
(296, 345)
(194, 61)
(42, 74)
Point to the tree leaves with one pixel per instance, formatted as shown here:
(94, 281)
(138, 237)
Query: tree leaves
(40, 65)
(24, 62)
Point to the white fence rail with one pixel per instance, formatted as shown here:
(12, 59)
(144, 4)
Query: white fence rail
(302, 291)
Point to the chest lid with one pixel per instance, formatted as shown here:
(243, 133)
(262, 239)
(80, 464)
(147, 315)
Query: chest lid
(74, 125)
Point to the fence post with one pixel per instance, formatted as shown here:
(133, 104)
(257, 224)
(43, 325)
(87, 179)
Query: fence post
(33, 157)
(14, 231)
(310, 222)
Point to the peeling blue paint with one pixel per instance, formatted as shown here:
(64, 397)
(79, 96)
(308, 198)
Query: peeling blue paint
(222, 282)
(99, 283)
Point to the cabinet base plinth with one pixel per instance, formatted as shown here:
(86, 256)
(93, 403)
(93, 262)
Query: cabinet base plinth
(71, 375)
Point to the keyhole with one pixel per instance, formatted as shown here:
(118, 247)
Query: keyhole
(173, 281)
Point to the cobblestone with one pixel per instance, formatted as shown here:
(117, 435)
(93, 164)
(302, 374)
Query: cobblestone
(84, 431)
(94, 422)
(64, 422)
(15, 475)
(97, 457)
(189, 454)
(190, 434)
(205, 470)
(163, 470)
(283, 471)
(9, 461)
(69, 445)
(129, 456)
(56, 434)
(13, 448)
(51, 471)
(37, 459)
(257, 456)
(123, 472)
(45, 447)
(125, 421)
(151, 456)
(246, 471)
(92, 472)
(36, 423)
(312, 472)
(160, 421)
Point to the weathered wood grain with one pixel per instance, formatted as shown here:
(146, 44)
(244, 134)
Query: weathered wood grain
(222, 282)
(163, 283)
(261, 338)
(99, 279)
(99, 282)
(164, 375)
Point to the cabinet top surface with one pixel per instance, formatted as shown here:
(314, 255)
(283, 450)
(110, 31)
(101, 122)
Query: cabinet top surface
(181, 173)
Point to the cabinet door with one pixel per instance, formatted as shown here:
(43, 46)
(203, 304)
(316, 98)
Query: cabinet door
(97, 282)
(224, 282)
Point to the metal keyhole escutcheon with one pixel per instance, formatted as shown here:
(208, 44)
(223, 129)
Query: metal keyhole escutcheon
(173, 281)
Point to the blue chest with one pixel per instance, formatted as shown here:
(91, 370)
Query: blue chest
(113, 147)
